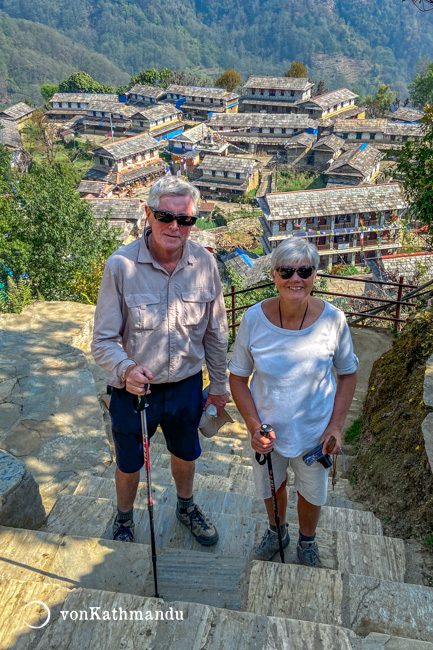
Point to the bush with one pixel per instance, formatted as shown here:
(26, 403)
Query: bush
(17, 296)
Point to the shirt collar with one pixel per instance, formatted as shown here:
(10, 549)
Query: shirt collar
(145, 257)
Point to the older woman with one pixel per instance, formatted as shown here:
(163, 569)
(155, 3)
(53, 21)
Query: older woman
(291, 344)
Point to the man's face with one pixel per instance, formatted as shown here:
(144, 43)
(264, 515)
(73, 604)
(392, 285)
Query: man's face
(170, 237)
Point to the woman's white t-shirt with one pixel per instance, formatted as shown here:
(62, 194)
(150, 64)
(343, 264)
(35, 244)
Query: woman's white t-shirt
(293, 384)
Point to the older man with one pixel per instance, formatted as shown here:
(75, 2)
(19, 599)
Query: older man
(160, 313)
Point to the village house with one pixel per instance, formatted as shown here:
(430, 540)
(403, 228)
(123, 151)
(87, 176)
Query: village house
(199, 102)
(9, 135)
(65, 106)
(347, 224)
(199, 139)
(163, 121)
(140, 95)
(298, 146)
(128, 162)
(274, 94)
(326, 150)
(386, 135)
(17, 113)
(111, 117)
(124, 214)
(95, 190)
(261, 132)
(355, 166)
(223, 175)
(408, 115)
(328, 106)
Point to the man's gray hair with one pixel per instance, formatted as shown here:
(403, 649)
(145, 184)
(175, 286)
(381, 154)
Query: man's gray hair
(295, 251)
(172, 186)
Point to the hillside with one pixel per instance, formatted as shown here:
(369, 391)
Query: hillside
(373, 40)
(32, 54)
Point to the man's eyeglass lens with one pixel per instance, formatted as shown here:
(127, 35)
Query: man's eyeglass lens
(286, 272)
(168, 217)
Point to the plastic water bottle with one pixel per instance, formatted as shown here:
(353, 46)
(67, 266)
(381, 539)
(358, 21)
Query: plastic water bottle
(209, 414)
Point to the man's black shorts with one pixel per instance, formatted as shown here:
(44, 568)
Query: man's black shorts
(176, 406)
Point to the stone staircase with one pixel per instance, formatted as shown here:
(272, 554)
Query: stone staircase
(359, 600)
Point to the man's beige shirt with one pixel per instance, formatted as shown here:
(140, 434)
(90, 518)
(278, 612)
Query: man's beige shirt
(169, 323)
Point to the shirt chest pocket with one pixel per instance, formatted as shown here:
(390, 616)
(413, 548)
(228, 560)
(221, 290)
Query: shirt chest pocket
(145, 311)
(194, 305)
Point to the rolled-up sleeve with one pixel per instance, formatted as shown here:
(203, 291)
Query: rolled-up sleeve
(107, 347)
(241, 362)
(215, 340)
(345, 360)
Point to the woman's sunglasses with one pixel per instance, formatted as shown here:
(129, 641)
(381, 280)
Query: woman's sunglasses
(168, 217)
(286, 272)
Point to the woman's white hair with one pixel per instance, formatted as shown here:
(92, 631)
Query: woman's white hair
(172, 186)
(295, 251)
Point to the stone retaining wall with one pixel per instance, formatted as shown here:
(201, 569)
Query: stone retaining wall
(427, 425)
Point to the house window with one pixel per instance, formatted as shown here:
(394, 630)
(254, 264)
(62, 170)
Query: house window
(292, 93)
(226, 174)
(253, 91)
(262, 91)
(213, 172)
(358, 136)
(393, 138)
(283, 130)
(202, 99)
(101, 160)
(271, 130)
(274, 110)
(282, 93)
(282, 225)
(272, 92)
(372, 136)
(238, 175)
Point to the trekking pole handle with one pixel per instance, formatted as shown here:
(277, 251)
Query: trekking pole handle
(140, 401)
(265, 430)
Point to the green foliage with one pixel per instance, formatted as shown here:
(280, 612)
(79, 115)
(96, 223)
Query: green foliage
(48, 90)
(353, 433)
(56, 239)
(421, 88)
(81, 82)
(379, 104)
(204, 224)
(292, 181)
(17, 296)
(344, 270)
(149, 77)
(415, 166)
(297, 69)
(230, 79)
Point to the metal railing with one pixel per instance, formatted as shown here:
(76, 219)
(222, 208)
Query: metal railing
(388, 304)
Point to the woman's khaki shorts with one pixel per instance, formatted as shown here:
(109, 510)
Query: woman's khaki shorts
(311, 482)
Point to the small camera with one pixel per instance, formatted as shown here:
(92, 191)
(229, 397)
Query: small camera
(317, 454)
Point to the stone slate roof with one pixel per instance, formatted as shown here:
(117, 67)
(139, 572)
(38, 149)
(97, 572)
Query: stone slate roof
(84, 97)
(112, 107)
(304, 139)
(347, 114)
(92, 187)
(259, 273)
(377, 126)
(278, 83)
(362, 159)
(330, 99)
(406, 115)
(17, 111)
(248, 120)
(198, 91)
(157, 112)
(9, 134)
(229, 164)
(278, 101)
(146, 91)
(329, 142)
(125, 209)
(332, 201)
(193, 135)
(127, 147)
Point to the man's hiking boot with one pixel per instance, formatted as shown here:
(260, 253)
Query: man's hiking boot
(308, 554)
(202, 529)
(123, 531)
(269, 545)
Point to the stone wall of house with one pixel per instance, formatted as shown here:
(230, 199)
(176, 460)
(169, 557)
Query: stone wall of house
(411, 267)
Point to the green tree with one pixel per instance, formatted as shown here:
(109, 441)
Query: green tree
(80, 82)
(297, 69)
(230, 79)
(421, 88)
(379, 104)
(48, 90)
(165, 75)
(58, 238)
(415, 165)
(149, 77)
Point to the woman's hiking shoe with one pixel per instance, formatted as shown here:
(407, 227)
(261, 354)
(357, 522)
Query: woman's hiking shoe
(200, 526)
(270, 545)
(308, 554)
(123, 531)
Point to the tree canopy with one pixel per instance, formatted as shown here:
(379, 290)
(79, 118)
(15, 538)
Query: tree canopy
(297, 69)
(81, 82)
(379, 104)
(230, 79)
(421, 88)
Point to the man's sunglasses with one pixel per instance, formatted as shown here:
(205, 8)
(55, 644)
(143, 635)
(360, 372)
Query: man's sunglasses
(286, 272)
(168, 217)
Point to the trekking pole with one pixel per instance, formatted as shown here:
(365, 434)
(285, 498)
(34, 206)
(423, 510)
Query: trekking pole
(266, 429)
(141, 406)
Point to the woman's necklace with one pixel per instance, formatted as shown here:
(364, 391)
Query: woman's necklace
(281, 318)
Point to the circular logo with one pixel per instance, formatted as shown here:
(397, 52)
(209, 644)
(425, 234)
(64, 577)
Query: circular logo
(39, 602)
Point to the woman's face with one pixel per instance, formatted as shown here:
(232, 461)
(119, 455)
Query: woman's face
(294, 288)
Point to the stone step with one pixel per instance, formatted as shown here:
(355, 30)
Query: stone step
(361, 603)
(354, 552)
(93, 563)
(201, 627)
(376, 641)
(214, 497)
